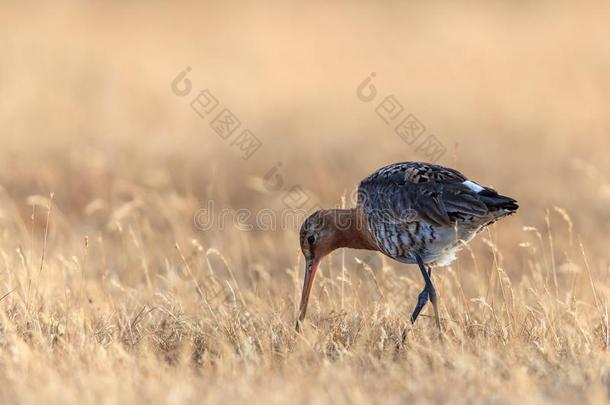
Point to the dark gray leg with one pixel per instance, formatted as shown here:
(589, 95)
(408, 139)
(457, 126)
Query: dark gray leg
(428, 293)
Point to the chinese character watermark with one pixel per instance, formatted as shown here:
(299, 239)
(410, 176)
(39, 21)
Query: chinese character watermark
(225, 123)
(406, 126)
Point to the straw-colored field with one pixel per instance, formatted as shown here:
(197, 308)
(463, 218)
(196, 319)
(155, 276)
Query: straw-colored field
(165, 268)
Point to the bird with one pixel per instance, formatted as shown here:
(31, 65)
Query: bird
(413, 212)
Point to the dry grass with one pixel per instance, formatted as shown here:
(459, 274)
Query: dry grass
(110, 294)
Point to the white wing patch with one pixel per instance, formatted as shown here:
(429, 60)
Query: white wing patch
(473, 186)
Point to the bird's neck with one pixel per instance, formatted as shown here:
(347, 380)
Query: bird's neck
(349, 229)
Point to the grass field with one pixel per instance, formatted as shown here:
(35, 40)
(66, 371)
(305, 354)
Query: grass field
(144, 260)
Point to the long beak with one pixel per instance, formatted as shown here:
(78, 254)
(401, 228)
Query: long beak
(310, 273)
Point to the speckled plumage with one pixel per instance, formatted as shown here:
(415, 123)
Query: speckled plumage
(421, 208)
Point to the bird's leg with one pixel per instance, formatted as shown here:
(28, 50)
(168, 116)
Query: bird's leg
(429, 292)
(434, 300)
(422, 299)
(425, 294)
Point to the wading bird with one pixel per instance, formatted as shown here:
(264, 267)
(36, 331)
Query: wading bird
(413, 212)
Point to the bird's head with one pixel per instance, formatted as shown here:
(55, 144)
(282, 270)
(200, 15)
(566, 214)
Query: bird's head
(317, 236)
(321, 233)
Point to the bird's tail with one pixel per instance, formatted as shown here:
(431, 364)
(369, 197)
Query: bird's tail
(495, 202)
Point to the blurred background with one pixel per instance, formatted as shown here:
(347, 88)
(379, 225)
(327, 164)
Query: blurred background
(516, 94)
(132, 266)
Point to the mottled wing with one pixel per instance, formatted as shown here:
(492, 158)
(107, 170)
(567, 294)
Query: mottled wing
(408, 191)
(415, 172)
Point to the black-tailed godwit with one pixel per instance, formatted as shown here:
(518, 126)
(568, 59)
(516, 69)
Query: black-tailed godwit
(415, 213)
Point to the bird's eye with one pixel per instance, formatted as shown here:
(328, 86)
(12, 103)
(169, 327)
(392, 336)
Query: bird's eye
(311, 239)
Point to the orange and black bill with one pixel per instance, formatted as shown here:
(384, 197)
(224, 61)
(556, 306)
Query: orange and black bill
(310, 273)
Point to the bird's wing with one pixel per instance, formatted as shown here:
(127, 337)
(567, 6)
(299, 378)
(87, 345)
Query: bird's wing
(411, 190)
(415, 172)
